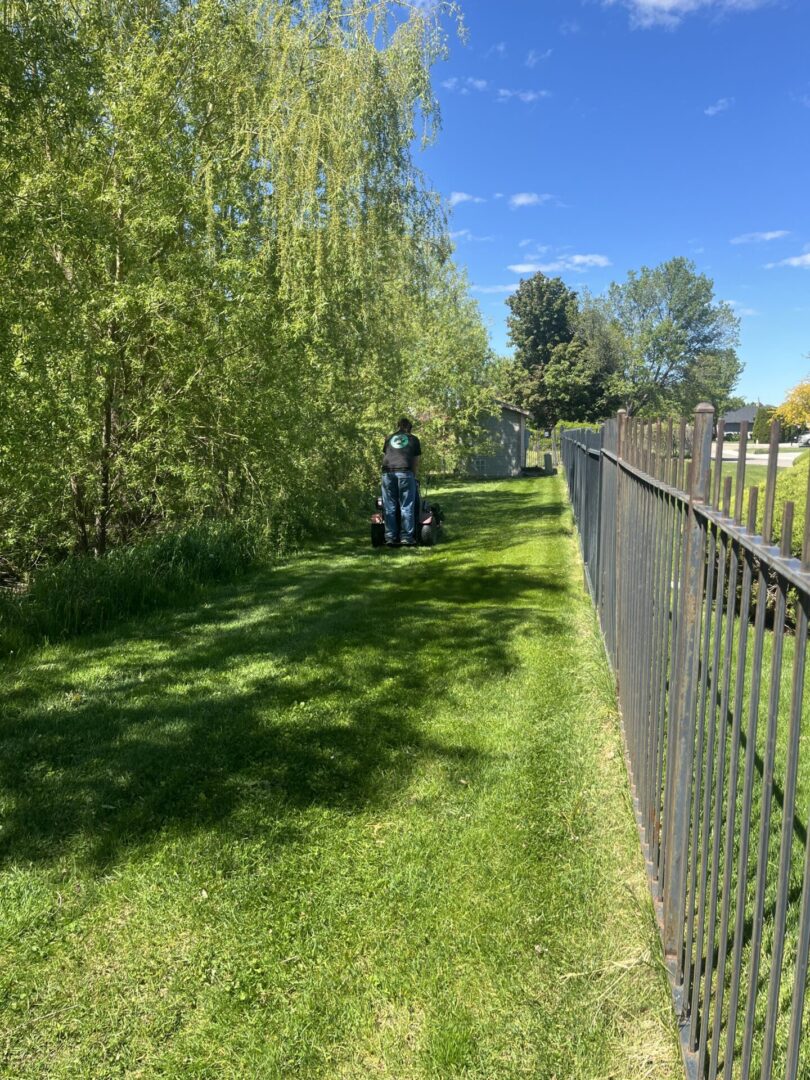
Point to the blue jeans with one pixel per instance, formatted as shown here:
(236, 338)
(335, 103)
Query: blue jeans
(399, 490)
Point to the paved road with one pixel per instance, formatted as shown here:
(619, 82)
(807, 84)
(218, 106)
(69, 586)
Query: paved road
(731, 452)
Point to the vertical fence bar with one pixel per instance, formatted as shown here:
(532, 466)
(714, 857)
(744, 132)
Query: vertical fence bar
(668, 510)
(683, 715)
(621, 446)
(712, 882)
(767, 767)
(701, 815)
(733, 774)
(748, 790)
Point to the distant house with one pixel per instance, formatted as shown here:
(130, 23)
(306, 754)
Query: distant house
(732, 421)
(508, 435)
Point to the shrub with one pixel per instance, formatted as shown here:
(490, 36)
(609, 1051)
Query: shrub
(761, 431)
(791, 485)
(82, 593)
(577, 424)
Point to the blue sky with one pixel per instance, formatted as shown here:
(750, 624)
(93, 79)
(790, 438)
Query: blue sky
(587, 138)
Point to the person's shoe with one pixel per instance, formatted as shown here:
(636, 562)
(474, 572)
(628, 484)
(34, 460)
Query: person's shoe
(392, 543)
(409, 543)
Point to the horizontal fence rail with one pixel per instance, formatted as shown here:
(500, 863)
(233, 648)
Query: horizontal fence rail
(705, 622)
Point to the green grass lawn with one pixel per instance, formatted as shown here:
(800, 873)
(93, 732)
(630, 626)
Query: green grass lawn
(361, 815)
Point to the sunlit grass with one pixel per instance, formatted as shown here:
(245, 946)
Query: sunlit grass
(364, 814)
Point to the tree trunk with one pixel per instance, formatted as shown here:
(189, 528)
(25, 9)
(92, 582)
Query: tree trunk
(103, 514)
(80, 513)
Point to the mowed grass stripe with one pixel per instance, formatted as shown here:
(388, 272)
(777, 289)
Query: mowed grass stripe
(364, 814)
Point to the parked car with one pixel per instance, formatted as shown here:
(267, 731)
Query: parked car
(804, 440)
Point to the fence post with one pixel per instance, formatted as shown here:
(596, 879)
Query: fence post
(683, 695)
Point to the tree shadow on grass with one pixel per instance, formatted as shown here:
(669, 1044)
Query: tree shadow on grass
(306, 685)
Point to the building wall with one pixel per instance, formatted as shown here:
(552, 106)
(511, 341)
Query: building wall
(507, 432)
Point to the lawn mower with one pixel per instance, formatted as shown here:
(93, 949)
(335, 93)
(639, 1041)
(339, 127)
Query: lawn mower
(429, 518)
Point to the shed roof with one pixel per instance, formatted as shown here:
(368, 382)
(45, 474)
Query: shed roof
(740, 416)
(511, 408)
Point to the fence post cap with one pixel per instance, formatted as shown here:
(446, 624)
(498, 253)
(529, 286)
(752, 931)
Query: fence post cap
(704, 407)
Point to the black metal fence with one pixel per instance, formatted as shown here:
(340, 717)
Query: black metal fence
(542, 451)
(705, 621)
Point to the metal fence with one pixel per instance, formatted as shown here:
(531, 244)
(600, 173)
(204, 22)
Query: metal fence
(705, 621)
(542, 451)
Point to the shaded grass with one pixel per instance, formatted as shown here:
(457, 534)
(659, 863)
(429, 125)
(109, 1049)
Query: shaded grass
(361, 815)
(82, 593)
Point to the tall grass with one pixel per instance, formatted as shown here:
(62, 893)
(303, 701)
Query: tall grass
(83, 593)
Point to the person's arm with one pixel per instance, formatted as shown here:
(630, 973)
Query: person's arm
(416, 462)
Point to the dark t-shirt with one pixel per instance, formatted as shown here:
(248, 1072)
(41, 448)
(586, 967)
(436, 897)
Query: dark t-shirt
(399, 451)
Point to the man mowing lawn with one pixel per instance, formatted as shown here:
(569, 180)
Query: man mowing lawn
(349, 818)
(402, 453)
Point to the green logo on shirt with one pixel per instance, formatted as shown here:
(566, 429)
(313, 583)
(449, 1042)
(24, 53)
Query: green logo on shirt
(399, 442)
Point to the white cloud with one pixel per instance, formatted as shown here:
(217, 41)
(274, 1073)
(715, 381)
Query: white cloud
(469, 236)
(534, 57)
(499, 49)
(799, 262)
(585, 261)
(563, 262)
(720, 106)
(759, 237)
(498, 195)
(742, 309)
(670, 13)
(458, 197)
(525, 243)
(569, 27)
(526, 96)
(528, 198)
(464, 86)
(495, 288)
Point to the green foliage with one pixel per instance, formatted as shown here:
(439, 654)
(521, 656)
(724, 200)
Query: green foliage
(82, 593)
(508, 379)
(589, 425)
(542, 320)
(791, 485)
(735, 402)
(678, 343)
(222, 275)
(542, 316)
(761, 430)
(657, 344)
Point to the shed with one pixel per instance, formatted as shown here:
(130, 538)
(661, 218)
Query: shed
(508, 434)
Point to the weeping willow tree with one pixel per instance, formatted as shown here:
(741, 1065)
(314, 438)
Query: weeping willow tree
(221, 272)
